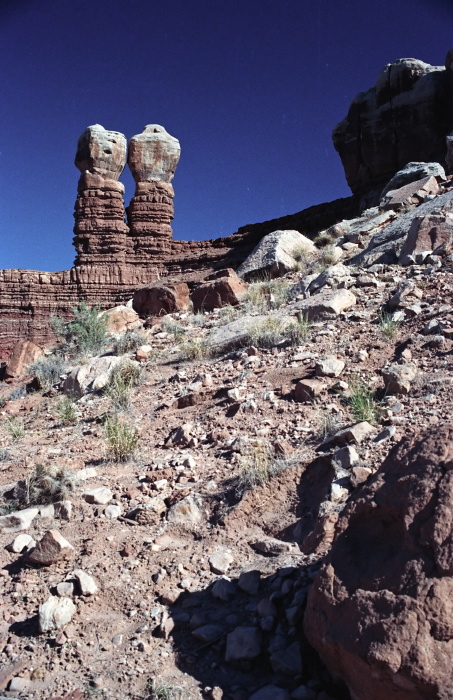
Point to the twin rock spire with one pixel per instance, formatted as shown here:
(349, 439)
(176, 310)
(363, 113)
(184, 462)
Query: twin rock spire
(101, 235)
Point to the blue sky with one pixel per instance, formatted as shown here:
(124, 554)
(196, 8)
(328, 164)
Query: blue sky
(251, 88)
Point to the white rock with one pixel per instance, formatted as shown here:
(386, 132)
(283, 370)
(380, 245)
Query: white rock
(113, 512)
(65, 589)
(21, 542)
(185, 511)
(100, 496)
(55, 613)
(275, 254)
(220, 561)
(87, 583)
(47, 511)
(19, 520)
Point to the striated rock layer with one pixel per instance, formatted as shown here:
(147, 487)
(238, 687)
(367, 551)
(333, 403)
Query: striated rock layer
(405, 117)
(380, 611)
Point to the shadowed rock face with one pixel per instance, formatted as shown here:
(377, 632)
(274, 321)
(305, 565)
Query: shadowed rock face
(405, 117)
(380, 612)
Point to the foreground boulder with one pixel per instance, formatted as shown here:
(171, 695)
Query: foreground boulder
(222, 288)
(276, 254)
(121, 319)
(91, 376)
(380, 611)
(412, 172)
(24, 353)
(161, 299)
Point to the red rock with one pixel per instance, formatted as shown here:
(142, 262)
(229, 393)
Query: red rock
(222, 288)
(307, 390)
(121, 319)
(428, 233)
(24, 354)
(412, 193)
(161, 299)
(51, 548)
(380, 611)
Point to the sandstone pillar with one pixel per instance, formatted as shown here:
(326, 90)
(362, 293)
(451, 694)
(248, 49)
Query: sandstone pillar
(153, 157)
(100, 229)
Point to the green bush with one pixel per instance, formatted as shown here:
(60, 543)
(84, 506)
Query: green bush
(121, 439)
(67, 411)
(389, 326)
(48, 370)
(194, 349)
(362, 402)
(15, 428)
(86, 333)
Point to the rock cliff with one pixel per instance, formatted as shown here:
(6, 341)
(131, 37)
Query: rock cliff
(405, 117)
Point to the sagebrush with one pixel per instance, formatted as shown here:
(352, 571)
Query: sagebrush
(45, 484)
(86, 333)
(121, 439)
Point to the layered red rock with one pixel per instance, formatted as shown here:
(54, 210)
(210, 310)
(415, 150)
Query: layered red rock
(152, 159)
(405, 117)
(380, 611)
(100, 229)
(219, 289)
(24, 354)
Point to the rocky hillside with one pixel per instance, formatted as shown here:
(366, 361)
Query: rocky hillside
(249, 498)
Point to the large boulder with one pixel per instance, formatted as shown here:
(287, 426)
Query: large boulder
(121, 319)
(91, 376)
(222, 288)
(161, 299)
(276, 254)
(410, 195)
(404, 118)
(428, 233)
(24, 354)
(413, 172)
(380, 612)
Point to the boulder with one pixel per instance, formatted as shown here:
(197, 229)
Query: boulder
(334, 276)
(324, 305)
(329, 366)
(185, 512)
(307, 390)
(18, 520)
(413, 172)
(428, 233)
(52, 547)
(23, 355)
(398, 378)
(275, 254)
(121, 319)
(223, 288)
(380, 611)
(100, 495)
(93, 375)
(411, 194)
(161, 299)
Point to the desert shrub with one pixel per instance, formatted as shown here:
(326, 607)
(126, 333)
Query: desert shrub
(266, 295)
(194, 348)
(324, 238)
(169, 325)
(48, 370)
(15, 428)
(362, 402)
(19, 393)
(259, 464)
(164, 691)
(86, 333)
(45, 484)
(129, 342)
(121, 439)
(299, 330)
(388, 326)
(4, 454)
(124, 377)
(267, 333)
(328, 256)
(67, 411)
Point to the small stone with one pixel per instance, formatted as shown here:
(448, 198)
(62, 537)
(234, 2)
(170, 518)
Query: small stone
(272, 547)
(19, 685)
(243, 643)
(100, 496)
(51, 548)
(346, 457)
(249, 582)
(113, 512)
(398, 378)
(356, 433)
(338, 493)
(55, 613)
(223, 589)
(47, 511)
(307, 390)
(87, 583)
(20, 543)
(63, 510)
(220, 561)
(287, 661)
(208, 633)
(186, 511)
(329, 366)
(359, 475)
(385, 434)
(65, 589)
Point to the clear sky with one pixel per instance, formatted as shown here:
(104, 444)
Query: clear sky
(251, 88)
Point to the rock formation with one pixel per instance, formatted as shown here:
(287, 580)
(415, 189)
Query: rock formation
(153, 157)
(405, 117)
(100, 229)
(380, 611)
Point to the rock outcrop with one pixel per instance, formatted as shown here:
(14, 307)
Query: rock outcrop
(153, 157)
(405, 117)
(100, 229)
(380, 611)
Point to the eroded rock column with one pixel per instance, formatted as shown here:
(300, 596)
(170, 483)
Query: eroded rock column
(100, 229)
(153, 157)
